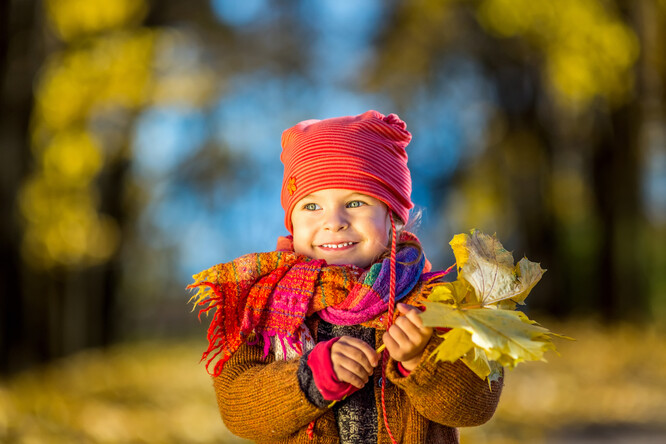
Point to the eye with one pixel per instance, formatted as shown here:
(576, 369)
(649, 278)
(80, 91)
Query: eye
(355, 204)
(311, 207)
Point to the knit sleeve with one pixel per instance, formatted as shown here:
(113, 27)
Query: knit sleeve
(260, 398)
(447, 393)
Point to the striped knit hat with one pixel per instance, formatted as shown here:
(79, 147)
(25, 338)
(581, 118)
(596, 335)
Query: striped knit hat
(364, 153)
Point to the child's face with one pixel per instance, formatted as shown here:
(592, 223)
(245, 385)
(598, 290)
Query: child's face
(341, 226)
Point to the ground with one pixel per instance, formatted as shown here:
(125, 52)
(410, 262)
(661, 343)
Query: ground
(607, 386)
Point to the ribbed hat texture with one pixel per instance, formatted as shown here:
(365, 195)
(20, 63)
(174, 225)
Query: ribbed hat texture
(363, 153)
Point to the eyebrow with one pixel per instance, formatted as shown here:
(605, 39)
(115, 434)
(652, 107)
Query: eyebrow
(351, 194)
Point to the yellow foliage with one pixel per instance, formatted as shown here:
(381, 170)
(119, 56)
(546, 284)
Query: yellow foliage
(74, 157)
(111, 71)
(63, 226)
(75, 18)
(509, 19)
(129, 72)
(589, 52)
(109, 64)
(41, 199)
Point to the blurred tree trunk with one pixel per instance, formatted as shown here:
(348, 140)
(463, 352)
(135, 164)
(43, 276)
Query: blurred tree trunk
(617, 187)
(21, 53)
(44, 314)
(527, 159)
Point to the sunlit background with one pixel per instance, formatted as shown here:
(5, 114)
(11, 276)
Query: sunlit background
(140, 142)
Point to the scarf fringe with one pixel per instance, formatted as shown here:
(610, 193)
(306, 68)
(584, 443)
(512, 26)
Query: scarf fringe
(209, 297)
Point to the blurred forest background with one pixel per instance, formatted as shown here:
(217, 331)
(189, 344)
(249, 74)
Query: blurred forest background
(140, 142)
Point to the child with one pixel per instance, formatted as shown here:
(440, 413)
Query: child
(296, 330)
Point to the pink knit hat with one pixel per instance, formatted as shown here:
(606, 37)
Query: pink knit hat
(364, 153)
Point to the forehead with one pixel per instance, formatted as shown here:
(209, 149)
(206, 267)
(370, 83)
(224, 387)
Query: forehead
(339, 194)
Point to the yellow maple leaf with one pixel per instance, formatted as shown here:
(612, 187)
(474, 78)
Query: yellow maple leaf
(478, 362)
(458, 293)
(478, 308)
(488, 267)
(458, 343)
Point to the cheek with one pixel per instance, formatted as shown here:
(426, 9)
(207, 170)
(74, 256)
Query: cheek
(382, 232)
(297, 235)
(298, 248)
(302, 238)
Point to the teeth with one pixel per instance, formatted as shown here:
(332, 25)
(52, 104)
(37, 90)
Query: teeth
(342, 245)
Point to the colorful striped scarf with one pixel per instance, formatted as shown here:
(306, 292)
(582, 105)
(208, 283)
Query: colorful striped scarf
(272, 293)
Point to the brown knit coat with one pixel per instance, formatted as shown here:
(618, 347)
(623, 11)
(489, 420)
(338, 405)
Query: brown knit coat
(260, 399)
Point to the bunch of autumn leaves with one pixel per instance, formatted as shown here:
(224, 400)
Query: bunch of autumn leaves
(479, 308)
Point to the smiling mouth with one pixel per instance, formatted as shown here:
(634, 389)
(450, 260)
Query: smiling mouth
(337, 246)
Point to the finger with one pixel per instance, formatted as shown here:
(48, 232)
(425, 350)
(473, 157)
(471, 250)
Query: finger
(415, 334)
(360, 367)
(345, 375)
(408, 327)
(411, 313)
(400, 336)
(354, 362)
(406, 308)
(391, 344)
(357, 351)
(349, 370)
(368, 351)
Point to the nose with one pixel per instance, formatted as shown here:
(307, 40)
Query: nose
(335, 220)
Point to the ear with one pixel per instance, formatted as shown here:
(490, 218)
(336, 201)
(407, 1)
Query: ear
(399, 224)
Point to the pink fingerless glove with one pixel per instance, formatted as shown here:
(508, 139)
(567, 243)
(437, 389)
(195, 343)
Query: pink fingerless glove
(323, 374)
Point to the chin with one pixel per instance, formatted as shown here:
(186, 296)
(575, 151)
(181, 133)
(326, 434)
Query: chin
(339, 261)
(359, 264)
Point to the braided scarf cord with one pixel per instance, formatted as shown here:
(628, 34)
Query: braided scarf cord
(389, 322)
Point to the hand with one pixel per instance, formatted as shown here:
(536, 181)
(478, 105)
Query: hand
(407, 337)
(353, 360)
